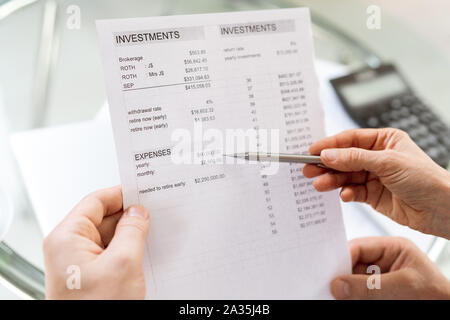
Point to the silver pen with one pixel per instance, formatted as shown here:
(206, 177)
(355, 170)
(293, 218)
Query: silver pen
(278, 157)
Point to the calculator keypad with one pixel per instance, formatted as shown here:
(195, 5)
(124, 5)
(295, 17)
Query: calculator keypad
(408, 113)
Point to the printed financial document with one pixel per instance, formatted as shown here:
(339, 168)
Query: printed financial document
(178, 88)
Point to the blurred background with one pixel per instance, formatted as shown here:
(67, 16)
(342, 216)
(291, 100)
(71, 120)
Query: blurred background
(51, 76)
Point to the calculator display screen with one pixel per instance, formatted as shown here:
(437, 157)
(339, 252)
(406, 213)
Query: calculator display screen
(368, 91)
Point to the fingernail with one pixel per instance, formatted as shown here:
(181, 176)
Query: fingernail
(341, 289)
(330, 154)
(139, 212)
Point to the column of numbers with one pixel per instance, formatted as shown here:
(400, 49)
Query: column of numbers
(309, 205)
(265, 181)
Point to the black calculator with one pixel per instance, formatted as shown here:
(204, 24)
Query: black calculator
(380, 97)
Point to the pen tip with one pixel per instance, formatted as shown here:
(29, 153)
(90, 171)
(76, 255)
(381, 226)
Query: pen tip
(235, 155)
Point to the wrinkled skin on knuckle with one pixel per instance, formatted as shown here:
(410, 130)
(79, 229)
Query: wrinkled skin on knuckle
(400, 134)
(388, 162)
(353, 155)
(395, 134)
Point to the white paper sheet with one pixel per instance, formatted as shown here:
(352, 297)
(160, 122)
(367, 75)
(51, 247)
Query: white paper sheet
(61, 165)
(222, 230)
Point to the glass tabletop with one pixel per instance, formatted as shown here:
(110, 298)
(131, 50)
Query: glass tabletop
(52, 75)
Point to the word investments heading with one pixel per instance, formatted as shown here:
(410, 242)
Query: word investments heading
(197, 33)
